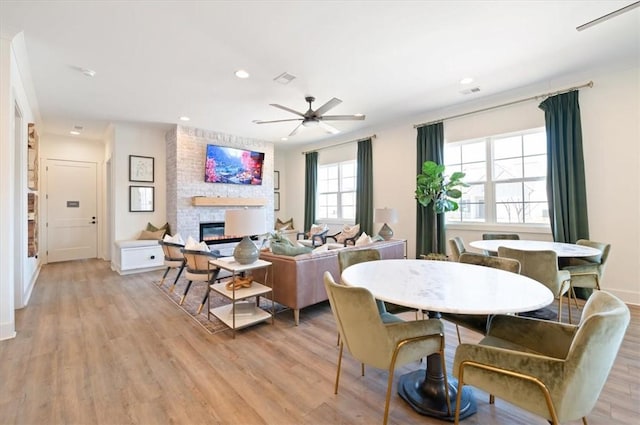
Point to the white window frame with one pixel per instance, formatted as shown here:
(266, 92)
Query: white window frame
(490, 222)
(339, 219)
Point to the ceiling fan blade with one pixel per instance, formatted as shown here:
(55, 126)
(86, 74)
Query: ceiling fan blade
(296, 130)
(358, 117)
(269, 122)
(287, 109)
(329, 129)
(330, 104)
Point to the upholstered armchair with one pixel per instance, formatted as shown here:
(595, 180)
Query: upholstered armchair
(173, 259)
(551, 369)
(456, 246)
(316, 236)
(372, 342)
(543, 267)
(492, 236)
(586, 272)
(479, 322)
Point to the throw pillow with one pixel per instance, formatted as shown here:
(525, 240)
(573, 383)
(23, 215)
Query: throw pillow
(194, 245)
(348, 232)
(364, 239)
(177, 239)
(147, 235)
(284, 225)
(283, 249)
(317, 228)
(321, 248)
(152, 228)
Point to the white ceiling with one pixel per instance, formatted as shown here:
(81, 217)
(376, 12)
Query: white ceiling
(158, 60)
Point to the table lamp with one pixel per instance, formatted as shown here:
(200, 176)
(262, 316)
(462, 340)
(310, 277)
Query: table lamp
(385, 215)
(245, 223)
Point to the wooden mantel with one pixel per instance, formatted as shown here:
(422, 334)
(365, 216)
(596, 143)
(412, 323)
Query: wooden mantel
(204, 201)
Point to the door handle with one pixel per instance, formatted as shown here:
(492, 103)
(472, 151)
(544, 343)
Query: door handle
(93, 222)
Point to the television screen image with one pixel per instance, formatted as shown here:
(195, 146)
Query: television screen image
(231, 165)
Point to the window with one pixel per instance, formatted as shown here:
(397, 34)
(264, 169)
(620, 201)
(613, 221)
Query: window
(337, 191)
(506, 176)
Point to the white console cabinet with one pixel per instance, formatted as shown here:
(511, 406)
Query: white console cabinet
(138, 256)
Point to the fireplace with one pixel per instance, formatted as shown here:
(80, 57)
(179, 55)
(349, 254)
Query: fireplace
(213, 233)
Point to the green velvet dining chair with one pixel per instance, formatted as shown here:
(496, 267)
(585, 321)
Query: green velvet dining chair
(378, 344)
(494, 236)
(479, 322)
(587, 272)
(542, 266)
(456, 247)
(553, 370)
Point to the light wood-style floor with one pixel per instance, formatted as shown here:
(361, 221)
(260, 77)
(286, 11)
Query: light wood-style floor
(94, 347)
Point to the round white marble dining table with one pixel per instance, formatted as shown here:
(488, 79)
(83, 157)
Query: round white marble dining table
(444, 286)
(561, 249)
(448, 287)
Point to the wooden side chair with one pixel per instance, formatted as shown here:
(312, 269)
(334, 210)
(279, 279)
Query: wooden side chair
(198, 269)
(173, 259)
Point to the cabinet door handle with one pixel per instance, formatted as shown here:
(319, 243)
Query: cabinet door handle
(153, 257)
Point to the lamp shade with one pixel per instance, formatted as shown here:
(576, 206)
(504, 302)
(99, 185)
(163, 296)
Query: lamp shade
(244, 222)
(385, 215)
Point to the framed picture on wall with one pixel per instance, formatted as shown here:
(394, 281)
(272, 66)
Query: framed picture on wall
(276, 180)
(141, 198)
(141, 168)
(276, 201)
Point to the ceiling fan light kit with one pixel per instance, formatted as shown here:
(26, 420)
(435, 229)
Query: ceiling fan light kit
(316, 118)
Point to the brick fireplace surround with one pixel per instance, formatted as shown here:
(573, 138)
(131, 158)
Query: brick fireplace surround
(186, 147)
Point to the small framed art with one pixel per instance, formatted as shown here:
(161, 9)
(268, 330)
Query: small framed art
(276, 180)
(276, 201)
(141, 198)
(141, 168)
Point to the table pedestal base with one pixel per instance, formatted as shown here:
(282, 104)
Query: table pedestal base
(425, 393)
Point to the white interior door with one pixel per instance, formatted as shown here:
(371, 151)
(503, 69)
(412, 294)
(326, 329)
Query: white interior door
(72, 230)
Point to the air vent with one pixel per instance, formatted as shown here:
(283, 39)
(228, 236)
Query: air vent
(78, 127)
(284, 78)
(471, 90)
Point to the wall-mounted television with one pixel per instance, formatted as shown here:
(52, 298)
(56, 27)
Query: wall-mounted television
(235, 166)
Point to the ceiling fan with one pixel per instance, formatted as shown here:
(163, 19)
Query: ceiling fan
(313, 118)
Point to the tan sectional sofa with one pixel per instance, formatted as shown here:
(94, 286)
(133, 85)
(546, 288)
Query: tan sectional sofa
(299, 279)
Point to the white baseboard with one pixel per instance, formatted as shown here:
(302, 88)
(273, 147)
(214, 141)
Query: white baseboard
(7, 330)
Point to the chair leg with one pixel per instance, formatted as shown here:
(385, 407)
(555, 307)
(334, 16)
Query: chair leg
(175, 281)
(164, 276)
(362, 368)
(335, 388)
(185, 292)
(388, 397)
(492, 399)
(560, 308)
(458, 332)
(446, 380)
(569, 305)
(584, 420)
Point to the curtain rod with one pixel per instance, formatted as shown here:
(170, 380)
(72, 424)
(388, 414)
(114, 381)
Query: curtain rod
(589, 84)
(340, 144)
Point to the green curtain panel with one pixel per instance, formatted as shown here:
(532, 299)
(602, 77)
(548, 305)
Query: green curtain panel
(310, 189)
(566, 188)
(430, 147)
(364, 187)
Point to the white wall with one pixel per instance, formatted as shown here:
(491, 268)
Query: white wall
(72, 148)
(142, 140)
(18, 271)
(610, 112)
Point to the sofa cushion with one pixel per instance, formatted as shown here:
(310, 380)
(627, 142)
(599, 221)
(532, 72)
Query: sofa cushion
(282, 248)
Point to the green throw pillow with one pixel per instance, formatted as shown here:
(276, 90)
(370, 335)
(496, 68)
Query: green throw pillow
(284, 249)
(166, 228)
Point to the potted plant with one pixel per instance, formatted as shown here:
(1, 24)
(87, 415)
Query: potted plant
(434, 188)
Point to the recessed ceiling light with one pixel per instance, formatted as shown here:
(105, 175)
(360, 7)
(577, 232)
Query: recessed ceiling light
(185, 118)
(467, 80)
(241, 73)
(284, 139)
(74, 132)
(88, 72)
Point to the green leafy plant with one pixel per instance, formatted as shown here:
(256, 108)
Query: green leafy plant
(434, 188)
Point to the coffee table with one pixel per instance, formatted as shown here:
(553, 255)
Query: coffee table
(443, 286)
